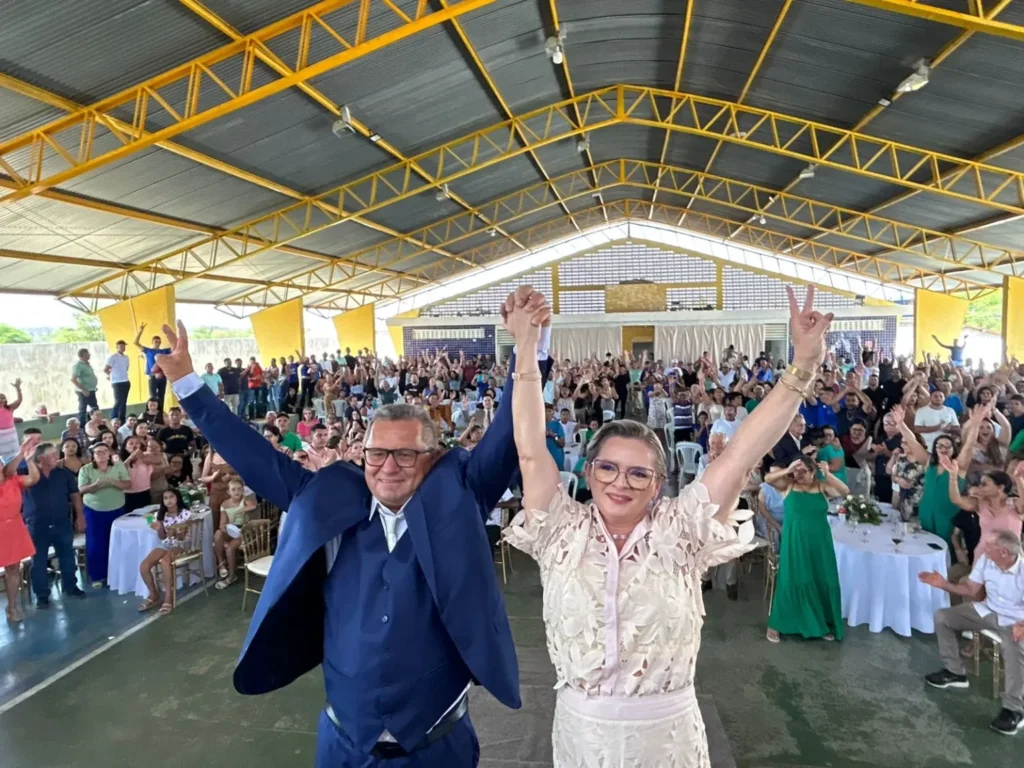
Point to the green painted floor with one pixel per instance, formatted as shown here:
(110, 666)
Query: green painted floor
(163, 697)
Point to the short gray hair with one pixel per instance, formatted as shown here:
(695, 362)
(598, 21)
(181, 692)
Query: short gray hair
(629, 430)
(406, 412)
(1009, 541)
(41, 451)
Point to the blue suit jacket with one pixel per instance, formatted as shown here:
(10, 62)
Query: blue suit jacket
(446, 523)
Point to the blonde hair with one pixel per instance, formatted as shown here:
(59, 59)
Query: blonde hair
(628, 430)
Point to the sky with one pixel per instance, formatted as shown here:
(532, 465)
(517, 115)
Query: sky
(23, 311)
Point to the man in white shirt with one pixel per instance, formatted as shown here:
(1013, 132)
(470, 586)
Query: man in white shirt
(117, 371)
(935, 419)
(728, 424)
(726, 376)
(994, 595)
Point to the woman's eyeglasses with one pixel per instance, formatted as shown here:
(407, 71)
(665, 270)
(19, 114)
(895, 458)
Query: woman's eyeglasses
(404, 457)
(637, 478)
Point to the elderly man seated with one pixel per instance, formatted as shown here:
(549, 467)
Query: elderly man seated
(996, 587)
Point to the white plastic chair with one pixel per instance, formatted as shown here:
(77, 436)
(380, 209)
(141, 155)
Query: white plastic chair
(687, 457)
(569, 482)
(578, 437)
(318, 406)
(339, 408)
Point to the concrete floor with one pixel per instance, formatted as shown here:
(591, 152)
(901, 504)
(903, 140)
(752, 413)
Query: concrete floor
(163, 696)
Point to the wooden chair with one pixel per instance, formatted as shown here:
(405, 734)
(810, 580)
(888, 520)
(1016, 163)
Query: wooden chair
(255, 553)
(504, 554)
(190, 533)
(997, 657)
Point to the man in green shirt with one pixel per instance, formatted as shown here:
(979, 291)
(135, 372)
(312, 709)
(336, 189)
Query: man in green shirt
(84, 379)
(289, 439)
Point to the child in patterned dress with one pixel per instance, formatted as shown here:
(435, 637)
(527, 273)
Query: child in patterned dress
(172, 512)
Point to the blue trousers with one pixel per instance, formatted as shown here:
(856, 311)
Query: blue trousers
(459, 748)
(97, 541)
(59, 535)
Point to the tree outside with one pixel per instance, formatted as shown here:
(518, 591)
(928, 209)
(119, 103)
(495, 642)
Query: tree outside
(11, 335)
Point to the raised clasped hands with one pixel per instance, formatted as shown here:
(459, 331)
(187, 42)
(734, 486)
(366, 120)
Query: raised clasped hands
(523, 314)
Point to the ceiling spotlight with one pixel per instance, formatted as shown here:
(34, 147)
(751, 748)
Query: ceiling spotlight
(344, 125)
(807, 173)
(374, 137)
(442, 194)
(492, 232)
(884, 102)
(917, 79)
(583, 145)
(761, 221)
(554, 47)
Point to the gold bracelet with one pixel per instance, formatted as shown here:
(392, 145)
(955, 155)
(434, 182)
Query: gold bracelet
(799, 373)
(526, 376)
(790, 385)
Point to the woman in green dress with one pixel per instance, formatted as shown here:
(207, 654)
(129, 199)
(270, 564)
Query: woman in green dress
(832, 454)
(936, 510)
(807, 599)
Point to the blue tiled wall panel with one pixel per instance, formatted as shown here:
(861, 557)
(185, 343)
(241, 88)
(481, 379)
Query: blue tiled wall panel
(473, 340)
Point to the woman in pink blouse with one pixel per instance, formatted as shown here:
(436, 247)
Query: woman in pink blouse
(621, 575)
(304, 427)
(990, 498)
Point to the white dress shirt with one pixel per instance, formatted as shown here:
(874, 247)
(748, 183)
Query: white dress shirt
(1004, 590)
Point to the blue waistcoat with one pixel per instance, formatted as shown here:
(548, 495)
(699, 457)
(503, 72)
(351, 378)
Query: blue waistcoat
(388, 661)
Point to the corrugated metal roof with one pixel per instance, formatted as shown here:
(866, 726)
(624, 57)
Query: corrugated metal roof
(831, 61)
(19, 114)
(165, 183)
(91, 49)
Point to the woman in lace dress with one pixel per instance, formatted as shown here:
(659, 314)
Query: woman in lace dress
(621, 575)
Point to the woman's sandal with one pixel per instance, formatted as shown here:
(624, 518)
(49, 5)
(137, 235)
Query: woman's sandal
(224, 583)
(223, 571)
(165, 609)
(148, 604)
(772, 636)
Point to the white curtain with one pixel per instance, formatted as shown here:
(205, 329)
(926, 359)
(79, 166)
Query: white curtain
(689, 342)
(580, 343)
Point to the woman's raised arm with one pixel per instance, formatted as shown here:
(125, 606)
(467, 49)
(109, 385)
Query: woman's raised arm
(540, 474)
(769, 422)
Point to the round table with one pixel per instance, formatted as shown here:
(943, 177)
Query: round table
(879, 583)
(131, 539)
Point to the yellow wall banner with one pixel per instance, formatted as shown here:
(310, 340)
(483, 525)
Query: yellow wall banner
(279, 330)
(1013, 317)
(936, 314)
(121, 322)
(355, 329)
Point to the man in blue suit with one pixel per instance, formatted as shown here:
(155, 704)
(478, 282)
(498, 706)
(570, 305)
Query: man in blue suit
(383, 576)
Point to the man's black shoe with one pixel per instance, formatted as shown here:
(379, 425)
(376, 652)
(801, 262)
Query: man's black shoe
(1007, 722)
(76, 591)
(43, 601)
(946, 679)
(732, 591)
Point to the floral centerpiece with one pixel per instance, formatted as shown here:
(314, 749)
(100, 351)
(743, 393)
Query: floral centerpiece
(861, 509)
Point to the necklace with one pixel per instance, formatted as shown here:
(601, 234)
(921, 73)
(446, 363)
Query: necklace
(620, 536)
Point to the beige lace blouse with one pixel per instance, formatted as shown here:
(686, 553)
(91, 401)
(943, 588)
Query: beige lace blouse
(627, 623)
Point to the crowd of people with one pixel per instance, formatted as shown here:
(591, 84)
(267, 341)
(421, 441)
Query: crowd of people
(939, 440)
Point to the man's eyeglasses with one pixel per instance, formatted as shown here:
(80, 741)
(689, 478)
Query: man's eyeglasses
(404, 457)
(637, 478)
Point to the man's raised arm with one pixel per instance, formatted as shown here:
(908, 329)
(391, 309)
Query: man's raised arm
(266, 470)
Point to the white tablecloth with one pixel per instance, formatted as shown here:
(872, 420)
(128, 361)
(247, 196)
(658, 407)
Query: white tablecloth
(131, 539)
(880, 587)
